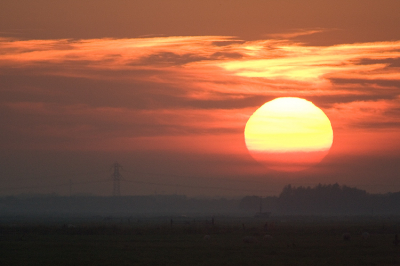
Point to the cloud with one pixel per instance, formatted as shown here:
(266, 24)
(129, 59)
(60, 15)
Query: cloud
(369, 115)
(80, 93)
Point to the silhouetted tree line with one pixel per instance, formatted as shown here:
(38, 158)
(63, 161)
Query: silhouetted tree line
(326, 200)
(319, 200)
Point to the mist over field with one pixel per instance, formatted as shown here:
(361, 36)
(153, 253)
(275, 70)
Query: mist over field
(323, 225)
(322, 200)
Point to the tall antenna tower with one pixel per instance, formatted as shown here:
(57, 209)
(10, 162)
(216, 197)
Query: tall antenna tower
(116, 178)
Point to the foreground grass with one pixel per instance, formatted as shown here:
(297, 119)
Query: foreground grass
(295, 242)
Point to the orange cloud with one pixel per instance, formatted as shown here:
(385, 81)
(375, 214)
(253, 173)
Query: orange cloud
(119, 89)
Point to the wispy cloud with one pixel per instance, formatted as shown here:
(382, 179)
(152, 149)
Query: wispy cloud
(67, 91)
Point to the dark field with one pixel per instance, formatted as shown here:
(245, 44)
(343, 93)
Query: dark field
(155, 241)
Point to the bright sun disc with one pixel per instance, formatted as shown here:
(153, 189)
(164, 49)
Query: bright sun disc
(288, 134)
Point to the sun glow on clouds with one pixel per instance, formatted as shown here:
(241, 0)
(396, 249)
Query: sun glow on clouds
(172, 87)
(272, 60)
(312, 63)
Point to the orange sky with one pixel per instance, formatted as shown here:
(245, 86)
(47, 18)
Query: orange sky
(171, 97)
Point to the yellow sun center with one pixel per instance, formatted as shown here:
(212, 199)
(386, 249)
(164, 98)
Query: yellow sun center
(288, 134)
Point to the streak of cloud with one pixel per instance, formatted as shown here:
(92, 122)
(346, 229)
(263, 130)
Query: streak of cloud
(61, 93)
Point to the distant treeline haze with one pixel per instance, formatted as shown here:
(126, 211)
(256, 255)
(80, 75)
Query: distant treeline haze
(331, 200)
(327, 200)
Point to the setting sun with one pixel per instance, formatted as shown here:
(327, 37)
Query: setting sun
(166, 90)
(288, 134)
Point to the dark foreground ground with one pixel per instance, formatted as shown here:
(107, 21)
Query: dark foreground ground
(155, 241)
